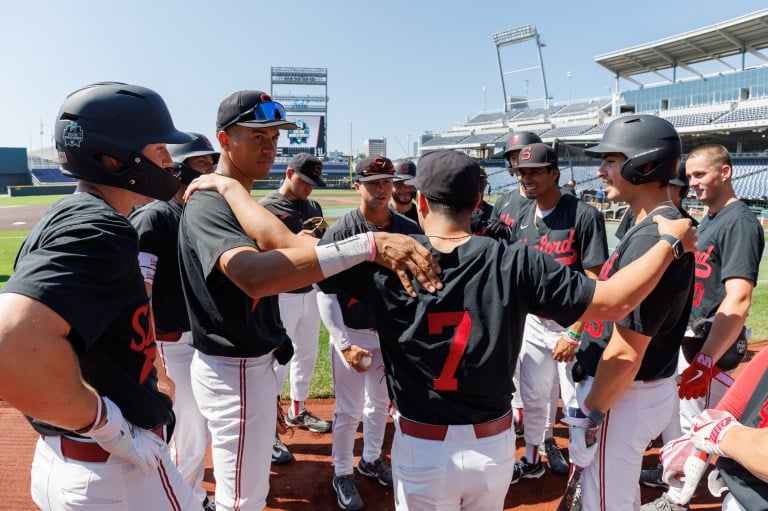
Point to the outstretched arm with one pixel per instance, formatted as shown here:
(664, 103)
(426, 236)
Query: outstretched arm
(295, 261)
(618, 296)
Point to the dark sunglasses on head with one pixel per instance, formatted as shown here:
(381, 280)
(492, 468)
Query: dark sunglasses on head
(379, 165)
(266, 111)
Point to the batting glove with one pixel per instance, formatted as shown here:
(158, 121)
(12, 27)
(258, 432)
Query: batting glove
(141, 447)
(673, 456)
(583, 441)
(498, 230)
(709, 428)
(694, 382)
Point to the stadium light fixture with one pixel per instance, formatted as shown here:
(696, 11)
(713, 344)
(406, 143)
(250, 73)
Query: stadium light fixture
(515, 35)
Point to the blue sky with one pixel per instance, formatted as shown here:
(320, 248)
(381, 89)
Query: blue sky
(395, 68)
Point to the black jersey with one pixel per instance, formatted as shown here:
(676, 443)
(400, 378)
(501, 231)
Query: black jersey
(450, 355)
(292, 213)
(663, 315)
(411, 214)
(730, 245)
(81, 260)
(507, 207)
(480, 218)
(225, 321)
(356, 314)
(573, 233)
(628, 220)
(157, 224)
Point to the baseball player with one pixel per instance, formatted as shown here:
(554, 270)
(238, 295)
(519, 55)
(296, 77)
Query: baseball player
(628, 392)
(730, 246)
(75, 322)
(157, 224)
(503, 216)
(482, 215)
(353, 330)
(735, 431)
(572, 233)
(403, 194)
(298, 308)
(237, 257)
(449, 355)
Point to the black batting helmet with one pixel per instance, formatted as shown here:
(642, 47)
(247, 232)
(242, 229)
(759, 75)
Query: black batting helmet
(200, 146)
(520, 139)
(116, 120)
(642, 139)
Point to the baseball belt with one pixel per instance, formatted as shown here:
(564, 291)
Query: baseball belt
(89, 452)
(439, 431)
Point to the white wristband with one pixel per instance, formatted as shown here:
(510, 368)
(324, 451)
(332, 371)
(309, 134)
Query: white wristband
(341, 255)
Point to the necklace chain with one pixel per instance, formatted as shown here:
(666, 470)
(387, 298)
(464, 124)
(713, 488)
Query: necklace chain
(455, 238)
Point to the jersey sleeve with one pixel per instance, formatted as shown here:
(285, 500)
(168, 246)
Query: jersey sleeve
(744, 242)
(81, 272)
(212, 229)
(154, 232)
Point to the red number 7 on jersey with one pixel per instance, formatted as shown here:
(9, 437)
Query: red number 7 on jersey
(436, 323)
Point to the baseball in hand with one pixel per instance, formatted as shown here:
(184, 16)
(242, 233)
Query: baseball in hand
(365, 360)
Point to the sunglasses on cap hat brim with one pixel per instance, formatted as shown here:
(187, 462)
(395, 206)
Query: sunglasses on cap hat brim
(266, 114)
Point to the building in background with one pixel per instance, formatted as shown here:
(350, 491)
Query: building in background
(375, 146)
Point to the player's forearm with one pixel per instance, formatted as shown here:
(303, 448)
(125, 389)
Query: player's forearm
(618, 296)
(612, 379)
(749, 447)
(728, 322)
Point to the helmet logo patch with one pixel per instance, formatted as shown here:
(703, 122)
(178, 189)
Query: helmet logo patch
(73, 135)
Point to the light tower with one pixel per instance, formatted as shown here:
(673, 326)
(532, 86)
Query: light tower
(516, 36)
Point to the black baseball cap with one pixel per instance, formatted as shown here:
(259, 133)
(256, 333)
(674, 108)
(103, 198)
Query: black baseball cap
(680, 178)
(448, 177)
(536, 155)
(309, 168)
(374, 167)
(405, 170)
(252, 108)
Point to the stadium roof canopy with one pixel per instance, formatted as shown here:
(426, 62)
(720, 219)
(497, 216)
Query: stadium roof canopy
(746, 34)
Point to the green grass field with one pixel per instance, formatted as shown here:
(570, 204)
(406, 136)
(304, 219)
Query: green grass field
(321, 386)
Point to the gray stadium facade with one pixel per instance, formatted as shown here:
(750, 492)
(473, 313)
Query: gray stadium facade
(703, 81)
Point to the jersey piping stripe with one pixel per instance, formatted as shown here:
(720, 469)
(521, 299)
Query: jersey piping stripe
(241, 436)
(168, 488)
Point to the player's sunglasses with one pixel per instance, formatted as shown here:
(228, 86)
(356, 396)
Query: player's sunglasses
(379, 165)
(266, 111)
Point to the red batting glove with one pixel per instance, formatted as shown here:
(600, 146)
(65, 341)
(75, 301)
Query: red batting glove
(694, 382)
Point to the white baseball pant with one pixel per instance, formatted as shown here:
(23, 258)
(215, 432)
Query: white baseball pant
(63, 484)
(459, 472)
(301, 320)
(190, 439)
(358, 393)
(237, 397)
(639, 416)
(538, 374)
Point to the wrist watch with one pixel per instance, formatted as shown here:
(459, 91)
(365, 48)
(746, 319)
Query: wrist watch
(596, 417)
(677, 245)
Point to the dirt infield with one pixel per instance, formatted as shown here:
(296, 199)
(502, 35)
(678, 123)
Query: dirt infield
(304, 484)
